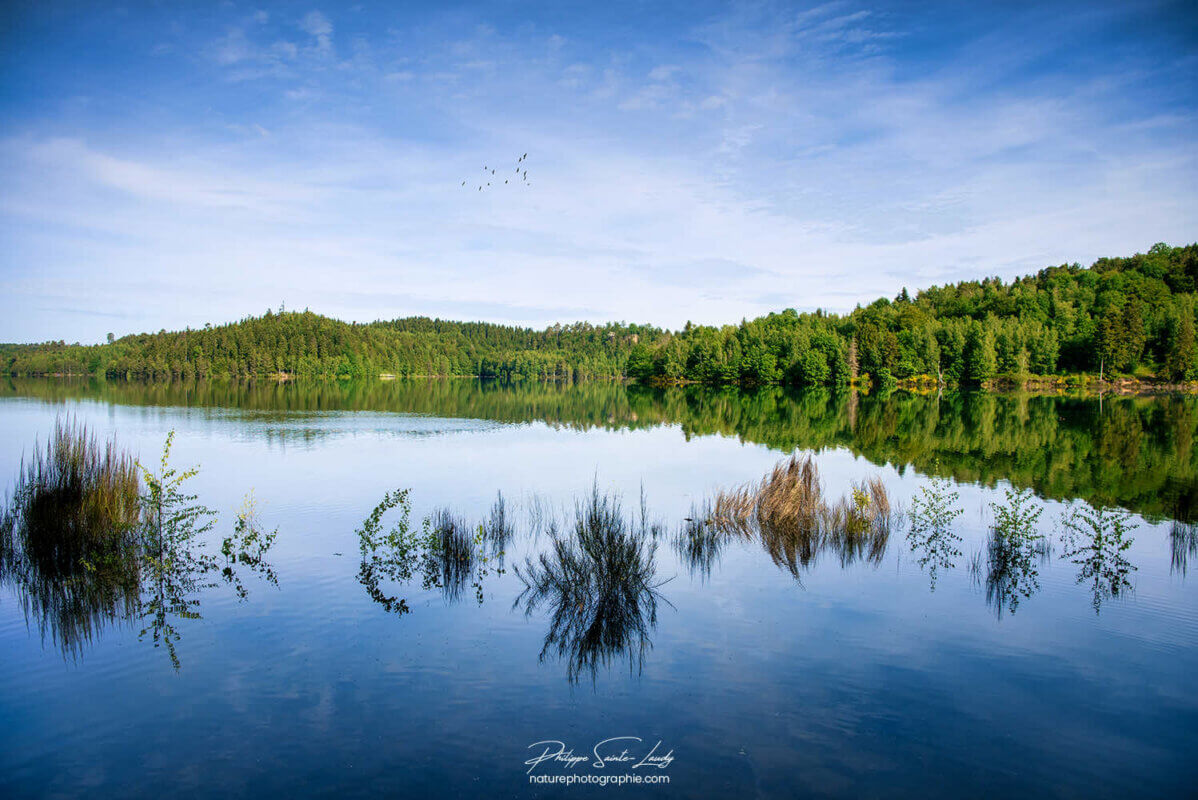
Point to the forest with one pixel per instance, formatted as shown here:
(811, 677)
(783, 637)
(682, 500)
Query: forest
(1120, 317)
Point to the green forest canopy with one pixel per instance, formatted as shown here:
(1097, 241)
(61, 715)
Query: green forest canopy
(1120, 316)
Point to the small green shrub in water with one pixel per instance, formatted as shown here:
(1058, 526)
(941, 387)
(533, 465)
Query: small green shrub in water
(1013, 549)
(176, 564)
(930, 533)
(445, 553)
(1096, 539)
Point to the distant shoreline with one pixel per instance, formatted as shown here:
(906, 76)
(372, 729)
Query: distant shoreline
(1065, 386)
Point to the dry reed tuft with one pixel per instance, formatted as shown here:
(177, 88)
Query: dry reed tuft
(790, 514)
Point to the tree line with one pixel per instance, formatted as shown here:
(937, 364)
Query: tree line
(305, 344)
(1121, 316)
(1129, 316)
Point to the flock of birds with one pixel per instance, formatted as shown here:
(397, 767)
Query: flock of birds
(521, 173)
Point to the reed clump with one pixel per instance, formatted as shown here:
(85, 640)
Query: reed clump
(69, 534)
(453, 550)
(73, 497)
(789, 512)
(597, 580)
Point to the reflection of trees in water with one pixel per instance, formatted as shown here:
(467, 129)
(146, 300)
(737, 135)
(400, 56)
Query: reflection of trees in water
(1095, 539)
(446, 553)
(597, 582)
(1062, 447)
(1014, 549)
(84, 550)
(930, 532)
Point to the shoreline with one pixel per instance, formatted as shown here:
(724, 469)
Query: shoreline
(1070, 385)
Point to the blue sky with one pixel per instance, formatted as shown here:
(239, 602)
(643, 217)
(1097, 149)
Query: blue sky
(172, 164)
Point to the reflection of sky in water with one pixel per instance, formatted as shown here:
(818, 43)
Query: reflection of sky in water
(860, 681)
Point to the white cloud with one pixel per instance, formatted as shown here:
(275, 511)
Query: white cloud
(319, 27)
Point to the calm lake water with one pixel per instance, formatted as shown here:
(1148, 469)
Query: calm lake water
(764, 667)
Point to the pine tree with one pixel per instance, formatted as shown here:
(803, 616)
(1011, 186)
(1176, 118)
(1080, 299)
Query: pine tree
(1180, 360)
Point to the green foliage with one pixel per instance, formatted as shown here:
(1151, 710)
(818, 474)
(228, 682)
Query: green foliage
(86, 548)
(175, 562)
(979, 356)
(1095, 539)
(1121, 315)
(445, 554)
(1014, 547)
(930, 533)
(306, 344)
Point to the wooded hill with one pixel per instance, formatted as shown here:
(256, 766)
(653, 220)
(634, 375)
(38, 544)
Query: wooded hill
(1120, 316)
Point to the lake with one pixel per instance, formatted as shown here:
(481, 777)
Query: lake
(909, 660)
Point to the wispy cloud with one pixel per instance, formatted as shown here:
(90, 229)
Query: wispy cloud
(318, 26)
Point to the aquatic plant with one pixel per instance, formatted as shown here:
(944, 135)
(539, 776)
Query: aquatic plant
(387, 555)
(597, 581)
(176, 563)
(1096, 539)
(1183, 540)
(451, 552)
(498, 527)
(789, 514)
(68, 537)
(247, 547)
(72, 499)
(700, 541)
(86, 547)
(858, 527)
(447, 553)
(930, 533)
(1013, 547)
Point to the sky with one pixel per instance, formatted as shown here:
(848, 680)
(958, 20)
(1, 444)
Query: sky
(173, 164)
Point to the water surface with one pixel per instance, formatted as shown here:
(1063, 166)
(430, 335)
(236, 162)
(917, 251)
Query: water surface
(771, 671)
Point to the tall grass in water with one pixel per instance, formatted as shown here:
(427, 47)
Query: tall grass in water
(700, 542)
(1183, 538)
(597, 581)
(859, 524)
(794, 520)
(84, 548)
(69, 536)
(453, 552)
